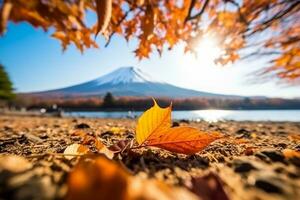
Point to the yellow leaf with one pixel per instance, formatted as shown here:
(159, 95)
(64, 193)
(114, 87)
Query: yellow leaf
(117, 130)
(151, 121)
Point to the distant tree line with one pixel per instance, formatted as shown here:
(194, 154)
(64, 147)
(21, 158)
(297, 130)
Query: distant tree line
(6, 88)
(109, 102)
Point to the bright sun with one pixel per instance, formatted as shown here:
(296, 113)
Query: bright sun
(208, 50)
(203, 65)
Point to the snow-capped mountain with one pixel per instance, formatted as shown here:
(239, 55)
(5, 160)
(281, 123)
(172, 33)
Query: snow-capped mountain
(125, 75)
(128, 81)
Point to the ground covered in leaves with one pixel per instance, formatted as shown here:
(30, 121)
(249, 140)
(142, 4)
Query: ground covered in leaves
(255, 160)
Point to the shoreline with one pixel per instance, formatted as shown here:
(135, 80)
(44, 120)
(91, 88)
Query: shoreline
(135, 114)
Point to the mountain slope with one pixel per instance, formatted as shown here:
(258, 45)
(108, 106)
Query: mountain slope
(128, 81)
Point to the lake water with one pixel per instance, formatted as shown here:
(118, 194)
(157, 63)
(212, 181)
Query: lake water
(207, 115)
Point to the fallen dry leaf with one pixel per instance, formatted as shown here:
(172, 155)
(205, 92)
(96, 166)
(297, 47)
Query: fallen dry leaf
(241, 141)
(117, 130)
(93, 140)
(121, 146)
(103, 179)
(80, 133)
(98, 179)
(75, 149)
(154, 129)
(294, 137)
(289, 153)
(14, 163)
(209, 187)
(249, 151)
(103, 149)
(140, 189)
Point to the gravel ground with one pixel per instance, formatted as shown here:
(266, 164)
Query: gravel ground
(249, 161)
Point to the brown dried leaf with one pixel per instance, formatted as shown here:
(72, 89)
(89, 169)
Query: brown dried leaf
(121, 146)
(103, 149)
(209, 187)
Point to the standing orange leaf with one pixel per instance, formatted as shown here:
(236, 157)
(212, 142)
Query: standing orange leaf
(154, 129)
(151, 121)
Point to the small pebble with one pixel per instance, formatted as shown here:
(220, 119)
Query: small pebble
(267, 186)
(274, 156)
(242, 167)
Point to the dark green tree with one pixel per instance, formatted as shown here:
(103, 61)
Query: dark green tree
(108, 100)
(6, 87)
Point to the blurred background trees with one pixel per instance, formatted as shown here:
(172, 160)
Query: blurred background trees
(108, 101)
(243, 28)
(6, 87)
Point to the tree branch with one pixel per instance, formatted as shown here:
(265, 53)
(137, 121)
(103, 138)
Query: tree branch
(259, 53)
(189, 17)
(277, 16)
(118, 24)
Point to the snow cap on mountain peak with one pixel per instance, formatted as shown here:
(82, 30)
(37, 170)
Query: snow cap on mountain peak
(128, 74)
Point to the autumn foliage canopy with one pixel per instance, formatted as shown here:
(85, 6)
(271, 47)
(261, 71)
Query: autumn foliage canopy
(243, 28)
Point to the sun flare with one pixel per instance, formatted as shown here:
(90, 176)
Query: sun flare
(208, 50)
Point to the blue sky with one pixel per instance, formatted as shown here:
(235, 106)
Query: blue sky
(35, 62)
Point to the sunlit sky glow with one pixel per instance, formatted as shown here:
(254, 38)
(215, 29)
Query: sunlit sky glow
(207, 51)
(35, 62)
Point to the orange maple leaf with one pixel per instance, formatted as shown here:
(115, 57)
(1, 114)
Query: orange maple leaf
(154, 129)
